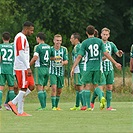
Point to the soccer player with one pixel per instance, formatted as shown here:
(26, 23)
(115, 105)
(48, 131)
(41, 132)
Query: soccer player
(78, 71)
(22, 68)
(6, 68)
(95, 48)
(59, 58)
(108, 67)
(96, 33)
(131, 64)
(131, 59)
(41, 59)
(8, 93)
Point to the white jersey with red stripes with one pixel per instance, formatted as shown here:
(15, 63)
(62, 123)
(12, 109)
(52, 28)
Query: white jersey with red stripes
(21, 44)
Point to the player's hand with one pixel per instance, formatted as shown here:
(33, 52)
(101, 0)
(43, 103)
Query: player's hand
(104, 58)
(72, 72)
(120, 52)
(118, 66)
(131, 71)
(131, 65)
(29, 72)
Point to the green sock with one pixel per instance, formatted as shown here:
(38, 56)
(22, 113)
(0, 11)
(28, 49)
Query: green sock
(53, 100)
(108, 97)
(1, 97)
(84, 98)
(11, 95)
(45, 96)
(81, 98)
(7, 98)
(77, 98)
(99, 93)
(103, 93)
(87, 97)
(41, 98)
(94, 96)
(57, 100)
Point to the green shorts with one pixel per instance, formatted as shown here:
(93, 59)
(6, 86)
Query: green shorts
(6, 77)
(41, 75)
(77, 79)
(109, 77)
(93, 77)
(102, 81)
(57, 80)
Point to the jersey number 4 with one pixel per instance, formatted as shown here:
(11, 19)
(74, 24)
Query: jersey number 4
(46, 56)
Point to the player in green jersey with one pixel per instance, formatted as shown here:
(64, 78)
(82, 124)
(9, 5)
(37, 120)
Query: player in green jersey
(131, 64)
(108, 67)
(41, 59)
(131, 59)
(78, 71)
(95, 48)
(59, 58)
(6, 67)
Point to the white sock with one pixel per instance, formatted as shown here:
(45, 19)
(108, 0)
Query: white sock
(21, 101)
(15, 100)
(27, 91)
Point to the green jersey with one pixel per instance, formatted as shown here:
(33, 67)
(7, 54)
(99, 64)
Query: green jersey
(56, 67)
(94, 48)
(131, 51)
(82, 64)
(110, 48)
(43, 52)
(7, 58)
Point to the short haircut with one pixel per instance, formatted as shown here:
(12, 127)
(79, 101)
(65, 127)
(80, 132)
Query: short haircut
(28, 24)
(76, 36)
(6, 35)
(105, 29)
(57, 35)
(90, 30)
(96, 33)
(41, 35)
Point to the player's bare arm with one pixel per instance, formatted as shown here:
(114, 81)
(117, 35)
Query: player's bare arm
(119, 53)
(118, 66)
(33, 60)
(29, 72)
(52, 58)
(65, 62)
(131, 65)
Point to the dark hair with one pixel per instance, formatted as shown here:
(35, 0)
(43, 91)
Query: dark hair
(76, 36)
(90, 29)
(28, 24)
(96, 33)
(6, 35)
(41, 35)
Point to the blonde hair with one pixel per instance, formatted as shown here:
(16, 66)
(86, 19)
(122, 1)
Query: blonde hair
(57, 35)
(105, 29)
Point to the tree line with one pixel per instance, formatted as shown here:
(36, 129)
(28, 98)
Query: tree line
(66, 17)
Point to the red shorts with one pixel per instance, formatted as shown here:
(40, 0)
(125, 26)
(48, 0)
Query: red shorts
(23, 79)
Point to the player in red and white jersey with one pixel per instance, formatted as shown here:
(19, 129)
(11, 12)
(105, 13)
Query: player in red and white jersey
(21, 49)
(22, 68)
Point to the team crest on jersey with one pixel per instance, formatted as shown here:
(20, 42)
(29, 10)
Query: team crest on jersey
(58, 59)
(107, 50)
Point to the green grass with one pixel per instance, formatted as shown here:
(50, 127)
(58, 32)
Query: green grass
(67, 121)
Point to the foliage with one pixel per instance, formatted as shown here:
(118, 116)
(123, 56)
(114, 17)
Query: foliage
(65, 17)
(11, 17)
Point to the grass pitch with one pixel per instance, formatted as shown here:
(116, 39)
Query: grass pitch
(66, 121)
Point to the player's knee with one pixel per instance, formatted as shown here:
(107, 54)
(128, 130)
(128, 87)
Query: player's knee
(31, 88)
